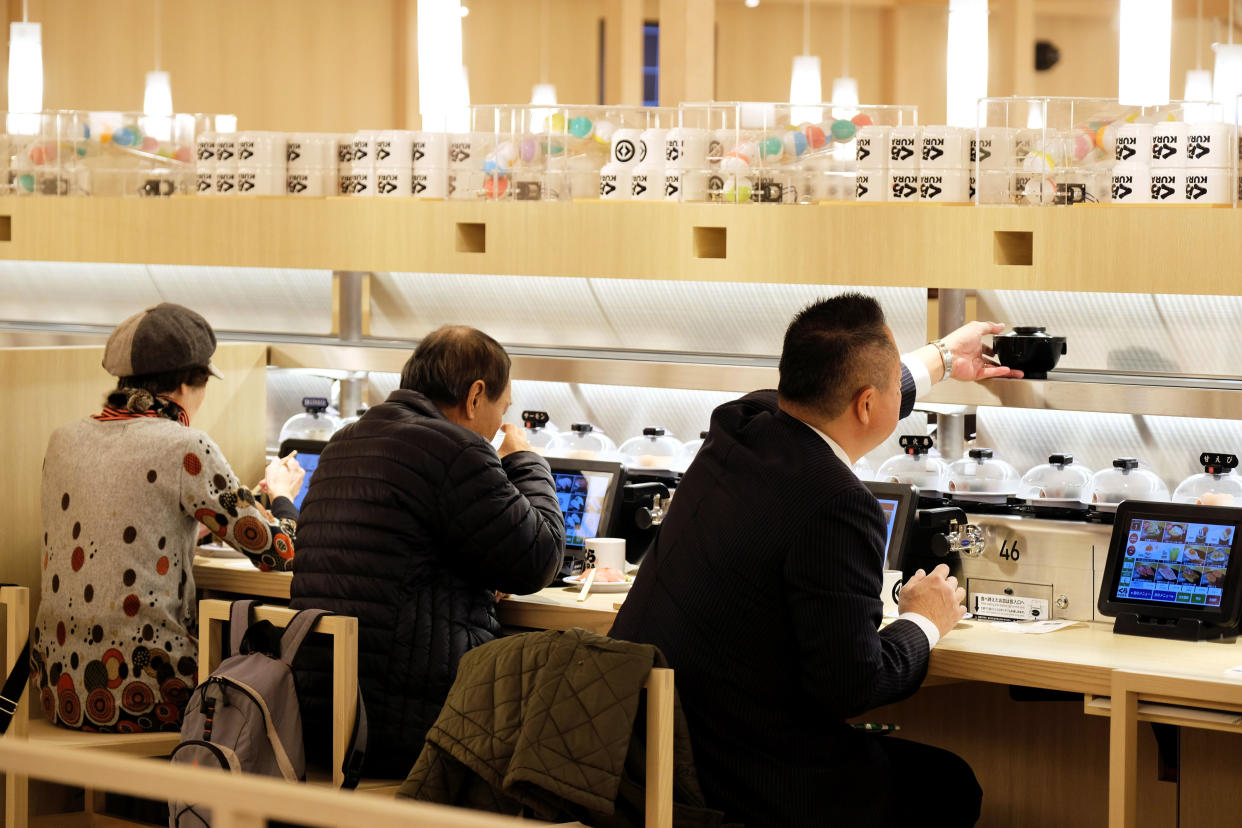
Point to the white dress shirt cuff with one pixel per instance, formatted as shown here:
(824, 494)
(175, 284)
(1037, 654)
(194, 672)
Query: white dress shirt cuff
(925, 624)
(918, 372)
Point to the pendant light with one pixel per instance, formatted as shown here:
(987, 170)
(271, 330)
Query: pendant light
(845, 87)
(1227, 74)
(1145, 44)
(544, 93)
(443, 86)
(805, 85)
(966, 66)
(157, 107)
(1198, 80)
(25, 76)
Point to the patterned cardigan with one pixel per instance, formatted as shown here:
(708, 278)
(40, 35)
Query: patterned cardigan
(113, 647)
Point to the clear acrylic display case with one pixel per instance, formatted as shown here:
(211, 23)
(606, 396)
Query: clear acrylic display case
(1070, 151)
(563, 152)
(778, 153)
(75, 152)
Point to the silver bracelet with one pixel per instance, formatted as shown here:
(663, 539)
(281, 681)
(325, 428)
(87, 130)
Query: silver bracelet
(945, 355)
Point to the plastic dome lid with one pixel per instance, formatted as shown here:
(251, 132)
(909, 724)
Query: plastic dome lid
(1127, 479)
(655, 448)
(314, 424)
(927, 473)
(1058, 479)
(981, 472)
(1216, 485)
(582, 442)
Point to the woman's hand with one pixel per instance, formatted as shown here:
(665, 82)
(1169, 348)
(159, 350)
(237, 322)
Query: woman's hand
(283, 477)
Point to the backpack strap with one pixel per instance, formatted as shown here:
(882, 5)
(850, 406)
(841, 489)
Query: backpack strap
(14, 683)
(356, 753)
(296, 631)
(241, 616)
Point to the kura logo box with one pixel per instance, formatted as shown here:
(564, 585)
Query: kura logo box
(1168, 187)
(903, 187)
(1131, 184)
(1207, 187)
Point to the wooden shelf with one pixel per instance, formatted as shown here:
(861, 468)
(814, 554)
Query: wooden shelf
(1092, 248)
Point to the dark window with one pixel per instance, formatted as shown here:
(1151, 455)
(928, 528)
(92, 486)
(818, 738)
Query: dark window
(651, 63)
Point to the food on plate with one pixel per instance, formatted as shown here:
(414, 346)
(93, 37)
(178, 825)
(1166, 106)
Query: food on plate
(1214, 577)
(1218, 556)
(1216, 499)
(1166, 573)
(1194, 554)
(1144, 571)
(1191, 576)
(1176, 531)
(608, 575)
(1153, 530)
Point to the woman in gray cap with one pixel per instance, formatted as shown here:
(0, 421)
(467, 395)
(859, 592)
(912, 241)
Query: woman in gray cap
(124, 494)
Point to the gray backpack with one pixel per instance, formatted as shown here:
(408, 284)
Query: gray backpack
(245, 717)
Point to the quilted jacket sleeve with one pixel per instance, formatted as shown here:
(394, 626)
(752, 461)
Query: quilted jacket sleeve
(503, 523)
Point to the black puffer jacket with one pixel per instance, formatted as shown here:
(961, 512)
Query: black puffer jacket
(409, 524)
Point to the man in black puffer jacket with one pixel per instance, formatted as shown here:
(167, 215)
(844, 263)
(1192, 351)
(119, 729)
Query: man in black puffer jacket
(413, 523)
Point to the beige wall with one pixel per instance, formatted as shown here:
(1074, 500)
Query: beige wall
(346, 64)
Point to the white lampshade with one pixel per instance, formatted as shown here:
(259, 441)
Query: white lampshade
(845, 93)
(966, 68)
(543, 94)
(1227, 77)
(805, 90)
(157, 106)
(226, 123)
(1145, 45)
(750, 4)
(25, 77)
(441, 88)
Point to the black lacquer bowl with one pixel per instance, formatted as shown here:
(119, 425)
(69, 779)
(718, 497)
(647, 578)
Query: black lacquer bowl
(1029, 349)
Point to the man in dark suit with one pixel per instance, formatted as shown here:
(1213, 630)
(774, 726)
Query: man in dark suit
(763, 588)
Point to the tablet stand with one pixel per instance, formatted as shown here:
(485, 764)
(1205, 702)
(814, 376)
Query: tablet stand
(1182, 629)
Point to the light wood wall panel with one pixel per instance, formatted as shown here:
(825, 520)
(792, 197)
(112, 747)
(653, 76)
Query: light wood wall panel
(47, 387)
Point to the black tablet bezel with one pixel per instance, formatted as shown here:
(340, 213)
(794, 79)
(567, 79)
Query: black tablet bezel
(612, 500)
(906, 497)
(1230, 609)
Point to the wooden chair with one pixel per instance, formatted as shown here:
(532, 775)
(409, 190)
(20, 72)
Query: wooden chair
(35, 728)
(213, 614)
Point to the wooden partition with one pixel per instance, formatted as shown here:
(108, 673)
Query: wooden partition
(47, 387)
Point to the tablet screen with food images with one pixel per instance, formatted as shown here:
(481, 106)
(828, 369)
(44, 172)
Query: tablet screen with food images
(1174, 557)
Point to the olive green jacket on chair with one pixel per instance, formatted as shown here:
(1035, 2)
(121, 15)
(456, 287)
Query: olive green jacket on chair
(548, 724)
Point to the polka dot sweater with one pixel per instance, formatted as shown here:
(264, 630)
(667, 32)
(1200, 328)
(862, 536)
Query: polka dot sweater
(113, 647)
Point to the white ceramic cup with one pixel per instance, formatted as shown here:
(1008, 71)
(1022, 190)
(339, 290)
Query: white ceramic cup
(605, 552)
(647, 182)
(1168, 185)
(891, 591)
(686, 148)
(871, 186)
(944, 186)
(626, 148)
(905, 147)
(344, 149)
(902, 185)
(1132, 143)
(205, 148)
(651, 144)
(394, 148)
(364, 143)
(1168, 144)
(1131, 183)
(429, 150)
(1209, 145)
(253, 180)
(429, 183)
(393, 182)
(992, 148)
(260, 149)
(310, 150)
(1208, 186)
(945, 148)
(226, 149)
(308, 181)
(615, 183)
(225, 180)
(871, 147)
(205, 180)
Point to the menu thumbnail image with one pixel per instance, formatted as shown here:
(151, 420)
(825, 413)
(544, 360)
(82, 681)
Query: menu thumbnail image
(1176, 562)
(581, 498)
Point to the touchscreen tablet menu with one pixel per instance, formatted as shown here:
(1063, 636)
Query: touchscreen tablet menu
(1175, 562)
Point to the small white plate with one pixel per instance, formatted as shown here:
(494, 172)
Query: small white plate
(601, 586)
